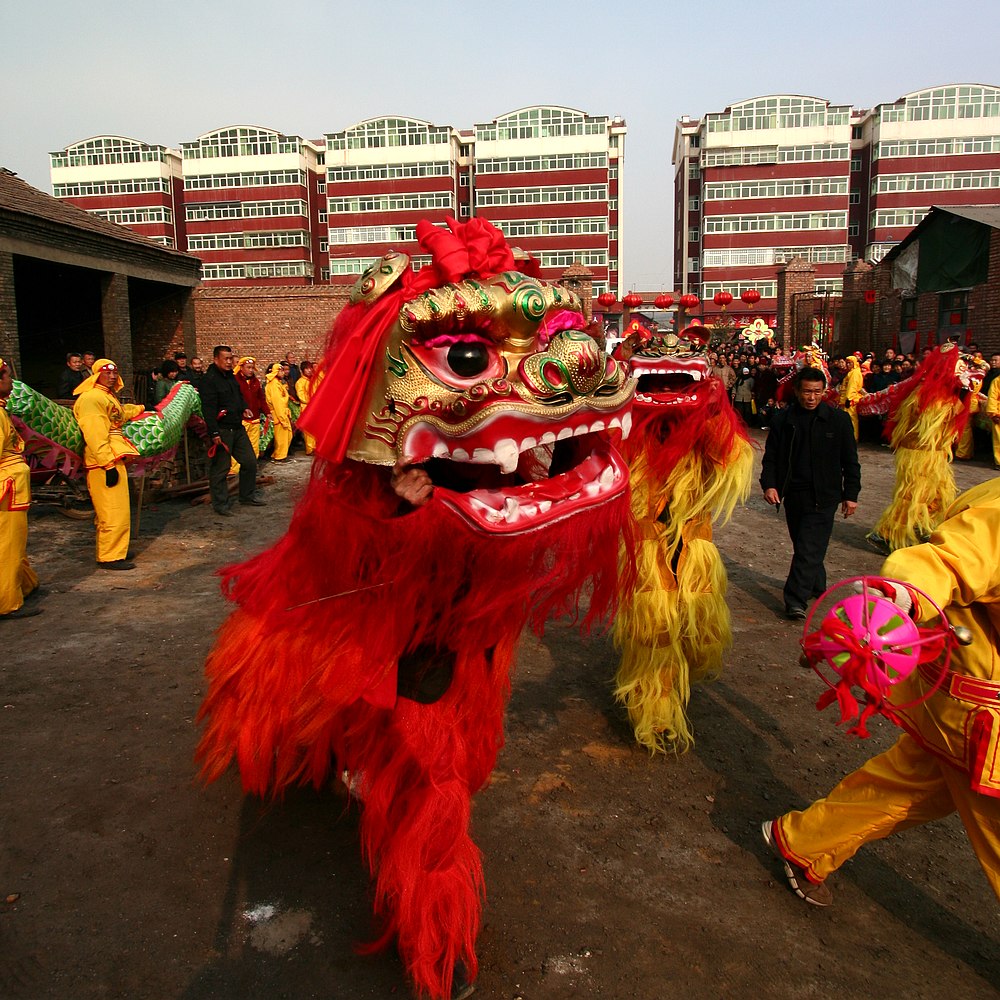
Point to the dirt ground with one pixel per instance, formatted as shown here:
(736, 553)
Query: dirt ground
(610, 873)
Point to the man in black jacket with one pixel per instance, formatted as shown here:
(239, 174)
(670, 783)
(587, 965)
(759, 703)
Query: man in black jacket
(810, 463)
(224, 410)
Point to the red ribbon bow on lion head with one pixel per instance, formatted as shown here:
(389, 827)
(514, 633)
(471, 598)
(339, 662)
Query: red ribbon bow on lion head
(475, 247)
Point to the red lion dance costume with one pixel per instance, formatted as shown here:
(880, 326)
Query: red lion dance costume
(378, 638)
(690, 463)
(927, 413)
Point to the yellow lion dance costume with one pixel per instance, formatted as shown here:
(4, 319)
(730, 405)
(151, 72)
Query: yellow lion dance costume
(690, 463)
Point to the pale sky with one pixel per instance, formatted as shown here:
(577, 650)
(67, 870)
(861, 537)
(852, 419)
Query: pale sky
(167, 72)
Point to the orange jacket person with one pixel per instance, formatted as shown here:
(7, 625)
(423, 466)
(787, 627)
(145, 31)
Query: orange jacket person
(276, 393)
(17, 579)
(101, 417)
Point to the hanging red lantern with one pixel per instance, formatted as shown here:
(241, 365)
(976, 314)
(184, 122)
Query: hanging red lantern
(870, 296)
(751, 297)
(633, 300)
(663, 301)
(722, 299)
(607, 299)
(689, 300)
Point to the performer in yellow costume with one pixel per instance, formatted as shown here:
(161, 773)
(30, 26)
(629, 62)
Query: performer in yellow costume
(993, 412)
(690, 463)
(303, 389)
(948, 757)
(276, 393)
(17, 579)
(101, 417)
(852, 388)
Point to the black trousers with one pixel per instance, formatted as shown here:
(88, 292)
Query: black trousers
(240, 448)
(809, 528)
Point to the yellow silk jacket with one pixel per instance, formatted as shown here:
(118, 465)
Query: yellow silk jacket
(101, 418)
(959, 568)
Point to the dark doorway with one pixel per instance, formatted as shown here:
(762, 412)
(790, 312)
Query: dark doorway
(58, 310)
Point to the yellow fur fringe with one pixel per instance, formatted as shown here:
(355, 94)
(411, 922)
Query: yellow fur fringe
(674, 630)
(925, 485)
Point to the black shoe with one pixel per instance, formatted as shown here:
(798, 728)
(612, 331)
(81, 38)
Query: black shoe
(116, 564)
(22, 612)
(254, 502)
(795, 613)
(222, 511)
(36, 593)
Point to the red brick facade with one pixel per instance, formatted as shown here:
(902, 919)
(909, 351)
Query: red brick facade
(266, 322)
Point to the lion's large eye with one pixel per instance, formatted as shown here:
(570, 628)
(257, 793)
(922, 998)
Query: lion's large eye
(468, 359)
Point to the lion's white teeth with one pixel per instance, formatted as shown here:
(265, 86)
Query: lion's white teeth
(626, 425)
(440, 450)
(482, 456)
(607, 477)
(506, 454)
(548, 437)
(511, 508)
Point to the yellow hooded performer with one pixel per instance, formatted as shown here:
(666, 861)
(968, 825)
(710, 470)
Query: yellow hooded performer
(17, 579)
(255, 400)
(101, 417)
(303, 389)
(276, 393)
(851, 390)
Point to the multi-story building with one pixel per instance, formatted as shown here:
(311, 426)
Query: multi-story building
(252, 206)
(755, 185)
(263, 208)
(548, 177)
(382, 176)
(785, 176)
(551, 179)
(126, 181)
(932, 147)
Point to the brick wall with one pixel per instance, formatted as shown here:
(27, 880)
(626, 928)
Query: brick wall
(266, 321)
(984, 306)
(159, 326)
(795, 277)
(9, 346)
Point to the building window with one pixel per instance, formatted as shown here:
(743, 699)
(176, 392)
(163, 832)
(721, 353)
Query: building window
(323, 216)
(693, 171)
(855, 164)
(321, 187)
(693, 204)
(464, 180)
(324, 273)
(694, 235)
(693, 263)
(852, 230)
(953, 311)
(908, 313)
(324, 246)
(855, 131)
(854, 198)
(463, 211)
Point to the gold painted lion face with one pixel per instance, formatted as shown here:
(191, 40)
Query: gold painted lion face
(497, 390)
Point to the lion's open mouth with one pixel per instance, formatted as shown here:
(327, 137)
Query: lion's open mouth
(526, 482)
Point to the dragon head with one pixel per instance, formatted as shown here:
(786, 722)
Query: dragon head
(484, 375)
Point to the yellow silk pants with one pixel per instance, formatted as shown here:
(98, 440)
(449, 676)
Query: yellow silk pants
(966, 445)
(282, 442)
(853, 414)
(903, 787)
(995, 433)
(114, 519)
(253, 432)
(17, 578)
